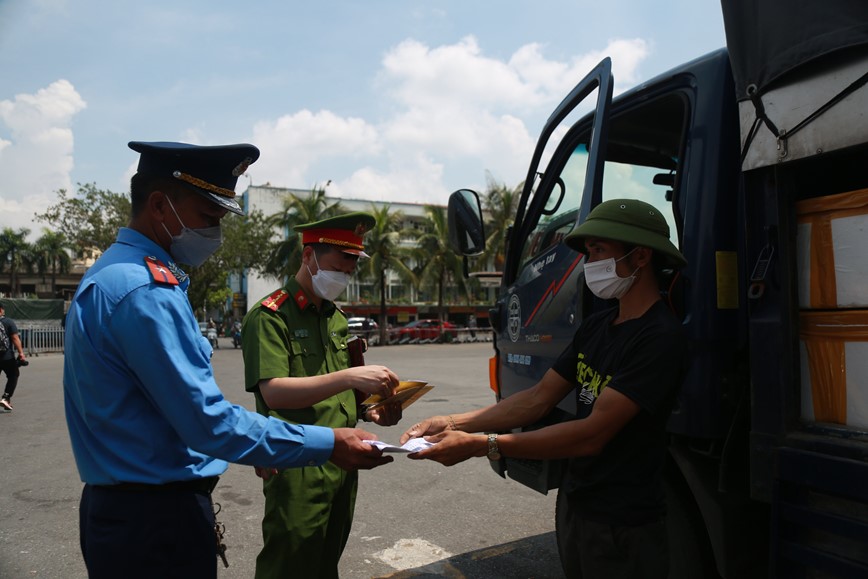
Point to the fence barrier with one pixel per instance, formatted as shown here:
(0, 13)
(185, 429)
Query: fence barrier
(39, 339)
(427, 336)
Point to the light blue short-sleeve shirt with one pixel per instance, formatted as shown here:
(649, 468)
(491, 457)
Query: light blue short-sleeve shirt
(140, 397)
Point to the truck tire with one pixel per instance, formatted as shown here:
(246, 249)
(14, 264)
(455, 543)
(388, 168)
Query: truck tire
(690, 554)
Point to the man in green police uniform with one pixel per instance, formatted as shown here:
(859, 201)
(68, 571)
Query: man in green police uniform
(297, 365)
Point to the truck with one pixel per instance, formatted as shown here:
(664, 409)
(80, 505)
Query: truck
(758, 155)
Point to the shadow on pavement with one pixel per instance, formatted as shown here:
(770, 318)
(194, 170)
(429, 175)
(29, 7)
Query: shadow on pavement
(531, 558)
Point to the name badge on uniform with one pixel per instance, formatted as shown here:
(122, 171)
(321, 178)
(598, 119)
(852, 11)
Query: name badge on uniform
(301, 333)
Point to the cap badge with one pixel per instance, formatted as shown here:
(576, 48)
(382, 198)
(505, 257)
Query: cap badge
(241, 167)
(361, 229)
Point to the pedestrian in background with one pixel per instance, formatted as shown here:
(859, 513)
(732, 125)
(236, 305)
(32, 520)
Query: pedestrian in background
(10, 343)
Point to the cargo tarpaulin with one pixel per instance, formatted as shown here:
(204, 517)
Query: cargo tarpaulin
(768, 38)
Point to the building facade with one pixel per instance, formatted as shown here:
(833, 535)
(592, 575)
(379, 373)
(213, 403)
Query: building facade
(404, 301)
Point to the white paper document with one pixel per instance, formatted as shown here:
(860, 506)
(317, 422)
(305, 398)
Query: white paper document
(412, 445)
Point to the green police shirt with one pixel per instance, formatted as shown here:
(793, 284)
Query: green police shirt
(285, 334)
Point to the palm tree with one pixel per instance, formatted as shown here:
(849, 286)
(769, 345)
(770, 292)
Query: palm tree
(501, 204)
(15, 255)
(438, 263)
(382, 244)
(285, 258)
(51, 254)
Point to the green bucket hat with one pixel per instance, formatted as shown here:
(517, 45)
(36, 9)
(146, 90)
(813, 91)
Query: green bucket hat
(629, 221)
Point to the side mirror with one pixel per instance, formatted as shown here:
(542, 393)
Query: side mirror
(466, 233)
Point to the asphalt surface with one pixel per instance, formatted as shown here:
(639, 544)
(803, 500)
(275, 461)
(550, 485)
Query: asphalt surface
(413, 519)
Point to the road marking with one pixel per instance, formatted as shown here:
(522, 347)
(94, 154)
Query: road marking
(412, 553)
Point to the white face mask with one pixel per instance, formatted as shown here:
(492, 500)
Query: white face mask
(604, 282)
(193, 246)
(328, 284)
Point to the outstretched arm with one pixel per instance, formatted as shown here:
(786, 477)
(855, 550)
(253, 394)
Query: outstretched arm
(292, 392)
(520, 409)
(586, 437)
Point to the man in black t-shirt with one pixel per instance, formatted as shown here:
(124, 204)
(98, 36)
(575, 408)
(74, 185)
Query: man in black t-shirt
(624, 366)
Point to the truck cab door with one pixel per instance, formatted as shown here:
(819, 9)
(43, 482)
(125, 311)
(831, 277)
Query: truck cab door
(540, 302)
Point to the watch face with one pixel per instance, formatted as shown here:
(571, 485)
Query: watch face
(493, 450)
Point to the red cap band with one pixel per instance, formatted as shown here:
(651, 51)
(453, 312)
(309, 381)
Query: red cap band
(340, 237)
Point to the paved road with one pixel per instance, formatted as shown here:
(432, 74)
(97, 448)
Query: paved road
(413, 520)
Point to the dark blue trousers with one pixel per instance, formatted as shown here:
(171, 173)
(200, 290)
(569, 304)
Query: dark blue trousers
(147, 534)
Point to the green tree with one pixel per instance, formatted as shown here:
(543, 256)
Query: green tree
(91, 218)
(51, 254)
(285, 256)
(245, 242)
(16, 255)
(382, 244)
(438, 263)
(500, 203)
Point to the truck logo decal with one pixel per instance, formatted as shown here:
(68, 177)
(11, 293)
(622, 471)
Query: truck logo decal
(550, 293)
(513, 321)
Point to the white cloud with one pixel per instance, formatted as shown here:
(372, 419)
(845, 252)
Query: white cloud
(36, 151)
(453, 114)
(457, 114)
(291, 144)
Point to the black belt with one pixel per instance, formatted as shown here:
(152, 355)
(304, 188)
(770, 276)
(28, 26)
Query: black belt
(196, 485)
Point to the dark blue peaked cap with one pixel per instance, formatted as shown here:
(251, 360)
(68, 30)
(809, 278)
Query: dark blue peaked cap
(210, 171)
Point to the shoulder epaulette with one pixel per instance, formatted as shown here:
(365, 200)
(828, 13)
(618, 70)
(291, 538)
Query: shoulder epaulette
(160, 271)
(273, 301)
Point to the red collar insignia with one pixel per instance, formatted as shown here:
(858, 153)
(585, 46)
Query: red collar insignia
(160, 271)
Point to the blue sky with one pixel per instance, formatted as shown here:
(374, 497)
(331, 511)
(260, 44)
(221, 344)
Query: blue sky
(399, 100)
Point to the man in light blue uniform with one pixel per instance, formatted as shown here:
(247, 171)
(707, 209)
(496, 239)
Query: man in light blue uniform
(150, 429)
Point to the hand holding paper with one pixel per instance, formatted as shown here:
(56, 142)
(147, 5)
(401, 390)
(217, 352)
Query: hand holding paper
(412, 445)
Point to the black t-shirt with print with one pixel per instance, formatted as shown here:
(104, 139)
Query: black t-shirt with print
(643, 359)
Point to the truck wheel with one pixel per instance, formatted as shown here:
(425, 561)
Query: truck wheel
(690, 555)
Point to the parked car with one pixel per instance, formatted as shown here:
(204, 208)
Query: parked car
(427, 330)
(366, 327)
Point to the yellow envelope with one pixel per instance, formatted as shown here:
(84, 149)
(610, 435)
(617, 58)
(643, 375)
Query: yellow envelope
(407, 392)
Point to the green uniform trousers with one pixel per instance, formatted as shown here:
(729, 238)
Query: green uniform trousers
(308, 515)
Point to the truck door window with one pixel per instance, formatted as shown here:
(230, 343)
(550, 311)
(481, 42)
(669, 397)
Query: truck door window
(560, 209)
(626, 181)
(645, 155)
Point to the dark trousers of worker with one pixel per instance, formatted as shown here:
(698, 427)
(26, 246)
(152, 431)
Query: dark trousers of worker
(605, 551)
(147, 534)
(307, 521)
(10, 368)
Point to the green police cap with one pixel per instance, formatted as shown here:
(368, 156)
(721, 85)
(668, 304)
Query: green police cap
(629, 221)
(343, 231)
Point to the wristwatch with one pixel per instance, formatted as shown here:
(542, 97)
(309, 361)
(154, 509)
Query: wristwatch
(493, 450)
